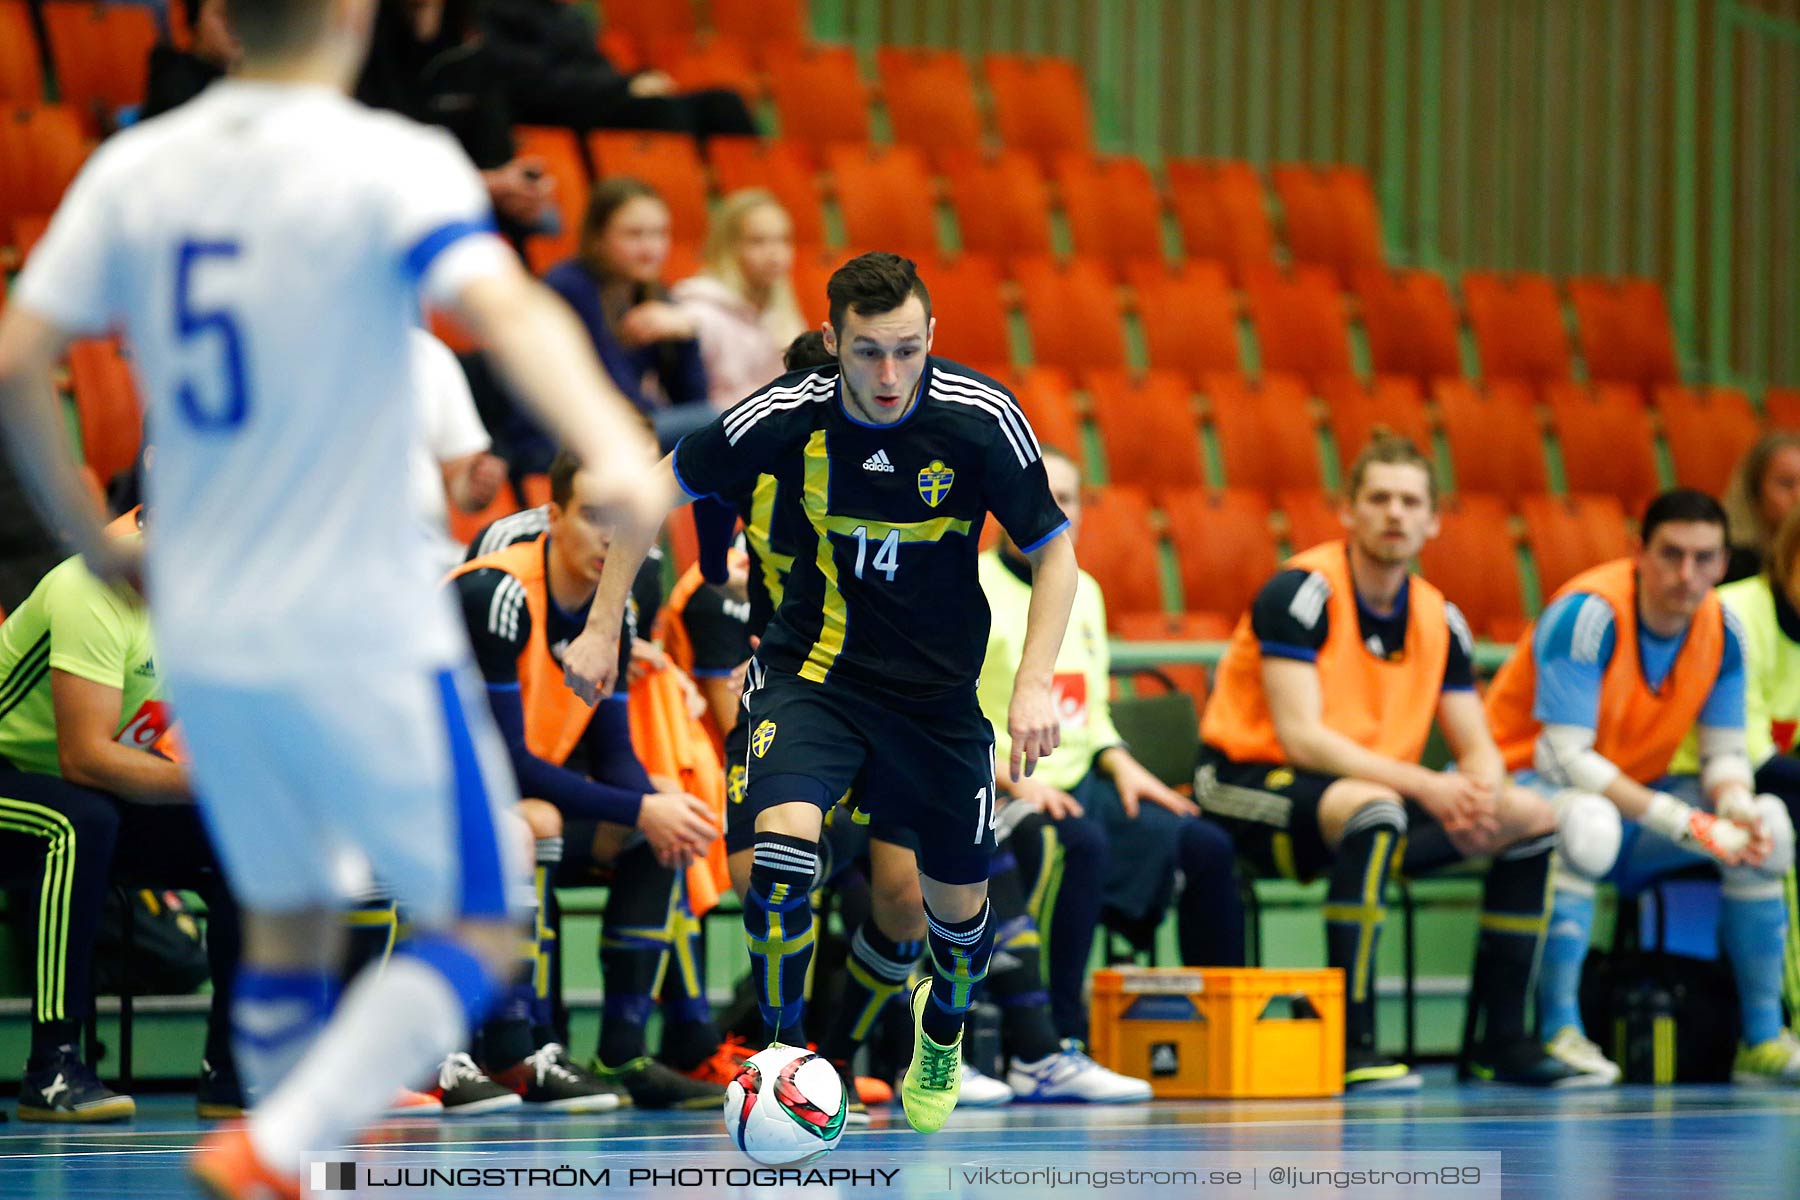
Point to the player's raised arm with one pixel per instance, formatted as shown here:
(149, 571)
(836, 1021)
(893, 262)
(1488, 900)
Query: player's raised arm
(549, 364)
(591, 661)
(35, 435)
(1031, 717)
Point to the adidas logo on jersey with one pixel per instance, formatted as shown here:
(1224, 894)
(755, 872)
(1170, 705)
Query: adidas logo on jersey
(878, 461)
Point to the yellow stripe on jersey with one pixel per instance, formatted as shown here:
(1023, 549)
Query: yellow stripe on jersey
(835, 616)
(775, 567)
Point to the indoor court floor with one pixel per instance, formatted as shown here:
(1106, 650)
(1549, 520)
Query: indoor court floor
(1694, 1143)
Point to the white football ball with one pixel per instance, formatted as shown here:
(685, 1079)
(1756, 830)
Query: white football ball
(785, 1106)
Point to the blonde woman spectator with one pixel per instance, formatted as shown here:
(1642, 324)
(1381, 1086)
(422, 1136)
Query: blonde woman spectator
(1762, 490)
(742, 304)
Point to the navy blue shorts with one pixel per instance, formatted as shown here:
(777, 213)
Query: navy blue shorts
(923, 778)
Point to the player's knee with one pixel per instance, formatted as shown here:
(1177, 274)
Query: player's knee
(1525, 814)
(1778, 823)
(1083, 840)
(1589, 832)
(898, 906)
(542, 817)
(1359, 808)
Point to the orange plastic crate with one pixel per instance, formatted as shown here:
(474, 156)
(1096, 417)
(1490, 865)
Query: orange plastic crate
(1222, 1031)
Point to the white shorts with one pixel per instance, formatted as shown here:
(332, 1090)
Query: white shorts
(304, 779)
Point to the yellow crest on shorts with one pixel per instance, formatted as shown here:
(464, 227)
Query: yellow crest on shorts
(1277, 779)
(763, 738)
(734, 783)
(935, 481)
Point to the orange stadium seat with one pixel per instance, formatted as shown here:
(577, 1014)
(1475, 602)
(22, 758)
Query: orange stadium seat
(1312, 517)
(1607, 444)
(1568, 534)
(1224, 547)
(820, 97)
(1518, 326)
(930, 97)
(1151, 432)
(1707, 431)
(1040, 105)
(23, 234)
(1188, 314)
(885, 196)
(100, 52)
(1330, 217)
(646, 23)
(813, 266)
(1623, 325)
(1472, 561)
(1410, 322)
(1353, 410)
(772, 29)
(1265, 430)
(21, 74)
(970, 312)
(561, 155)
(1782, 407)
(1119, 549)
(667, 162)
(784, 168)
(1048, 397)
(1191, 678)
(1493, 436)
(712, 62)
(1220, 208)
(1072, 311)
(41, 149)
(1300, 322)
(106, 404)
(1001, 201)
(1111, 206)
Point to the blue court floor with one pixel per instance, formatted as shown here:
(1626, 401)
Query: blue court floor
(1692, 1143)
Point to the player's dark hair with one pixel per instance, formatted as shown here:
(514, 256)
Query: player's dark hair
(874, 283)
(276, 27)
(562, 478)
(1684, 504)
(1390, 449)
(806, 351)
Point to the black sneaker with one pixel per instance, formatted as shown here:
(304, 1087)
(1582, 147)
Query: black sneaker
(466, 1092)
(220, 1096)
(1525, 1064)
(65, 1090)
(855, 1111)
(1365, 1071)
(652, 1085)
(549, 1080)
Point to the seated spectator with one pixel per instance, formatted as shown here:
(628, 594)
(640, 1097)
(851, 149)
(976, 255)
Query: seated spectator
(646, 343)
(1762, 490)
(742, 303)
(522, 603)
(427, 61)
(176, 75)
(84, 793)
(1144, 831)
(555, 74)
(1313, 734)
(1627, 660)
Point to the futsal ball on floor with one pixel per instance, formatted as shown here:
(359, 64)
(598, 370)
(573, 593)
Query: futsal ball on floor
(786, 1105)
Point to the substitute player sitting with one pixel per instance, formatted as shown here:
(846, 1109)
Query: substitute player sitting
(1313, 734)
(866, 676)
(1630, 657)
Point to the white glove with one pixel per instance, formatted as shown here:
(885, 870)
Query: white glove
(1692, 829)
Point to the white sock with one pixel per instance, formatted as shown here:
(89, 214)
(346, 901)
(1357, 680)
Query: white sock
(391, 1029)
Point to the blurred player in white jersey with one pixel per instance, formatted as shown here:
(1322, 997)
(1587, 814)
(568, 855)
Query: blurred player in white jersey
(265, 250)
